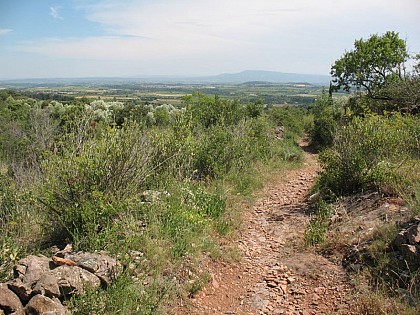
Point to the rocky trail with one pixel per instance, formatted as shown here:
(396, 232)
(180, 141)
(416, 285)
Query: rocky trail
(277, 273)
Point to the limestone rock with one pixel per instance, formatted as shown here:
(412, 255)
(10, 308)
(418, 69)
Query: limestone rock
(153, 195)
(27, 272)
(48, 286)
(408, 242)
(9, 301)
(65, 281)
(31, 268)
(411, 253)
(103, 266)
(413, 234)
(400, 239)
(42, 305)
(40, 281)
(279, 133)
(314, 198)
(22, 290)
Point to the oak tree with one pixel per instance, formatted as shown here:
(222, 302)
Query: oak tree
(372, 64)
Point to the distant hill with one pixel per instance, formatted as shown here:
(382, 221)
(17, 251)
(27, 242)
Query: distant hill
(268, 76)
(232, 78)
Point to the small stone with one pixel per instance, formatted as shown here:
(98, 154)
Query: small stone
(40, 305)
(22, 290)
(215, 284)
(9, 301)
(413, 234)
(283, 288)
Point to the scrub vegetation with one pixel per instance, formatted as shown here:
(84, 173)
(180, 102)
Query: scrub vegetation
(160, 183)
(371, 142)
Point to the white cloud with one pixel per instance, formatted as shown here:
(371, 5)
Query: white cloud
(4, 31)
(190, 36)
(54, 12)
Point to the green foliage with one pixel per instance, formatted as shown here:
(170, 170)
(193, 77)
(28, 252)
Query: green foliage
(372, 64)
(207, 111)
(83, 186)
(316, 231)
(223, 149)
(326, 114)
(254, 109)
(86, 166)
(125, 296)
(370, 152)
(8, 249)
(14, 125)
(403, 96)
(289, 117)
(389, 275)
(196, 285)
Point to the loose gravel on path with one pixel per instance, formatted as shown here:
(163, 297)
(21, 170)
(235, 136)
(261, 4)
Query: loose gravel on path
(277, 273)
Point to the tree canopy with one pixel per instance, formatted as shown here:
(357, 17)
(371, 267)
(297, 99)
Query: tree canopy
(372, 64)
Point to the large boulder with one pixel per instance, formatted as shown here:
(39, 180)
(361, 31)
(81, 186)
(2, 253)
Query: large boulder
(65, 281)
(102, 265)
(27, 272)
(9, 301)
(31, 268)
(42, 305)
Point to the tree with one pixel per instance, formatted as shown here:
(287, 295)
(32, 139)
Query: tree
(416, 67)
(372, 65)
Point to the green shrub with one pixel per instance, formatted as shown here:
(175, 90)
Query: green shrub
(83, 187)
(326, 116)
(208, 111)
(370, 152)
(224, 149)
(291, 118)
(317, 228)
(315, 232)
(126, 296)
(94, 160)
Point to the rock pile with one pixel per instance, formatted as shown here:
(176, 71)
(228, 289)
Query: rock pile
(408, 242)
(41, 284)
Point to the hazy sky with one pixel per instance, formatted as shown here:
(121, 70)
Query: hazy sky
(75, 38)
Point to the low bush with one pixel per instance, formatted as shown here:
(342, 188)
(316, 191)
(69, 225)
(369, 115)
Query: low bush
(92, 166)
(289, 117)
(327, 114)
(87, 184)
(316, 231)
(370, 152)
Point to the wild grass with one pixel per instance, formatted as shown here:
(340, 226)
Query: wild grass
(317, 229)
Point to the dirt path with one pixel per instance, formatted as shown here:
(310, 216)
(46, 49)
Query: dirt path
(277, 273)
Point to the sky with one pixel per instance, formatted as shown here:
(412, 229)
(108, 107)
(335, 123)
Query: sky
(131, 38)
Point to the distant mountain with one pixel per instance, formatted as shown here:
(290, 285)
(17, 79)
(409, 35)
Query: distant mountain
(268, 76)
(232, 78)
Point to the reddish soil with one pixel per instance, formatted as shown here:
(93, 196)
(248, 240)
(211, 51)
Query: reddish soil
(277, 273)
